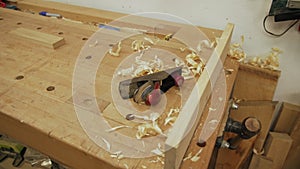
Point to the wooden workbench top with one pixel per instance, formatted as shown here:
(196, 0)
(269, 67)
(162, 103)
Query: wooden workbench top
(36, 99)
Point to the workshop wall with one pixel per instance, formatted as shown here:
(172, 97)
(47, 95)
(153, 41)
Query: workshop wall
(247, 15)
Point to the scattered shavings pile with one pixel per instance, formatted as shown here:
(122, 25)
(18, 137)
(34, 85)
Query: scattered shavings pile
(149, 129)
(270, 61)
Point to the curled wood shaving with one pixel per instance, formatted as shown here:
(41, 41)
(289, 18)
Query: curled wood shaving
(158, 152)
(204, 44)
(188, 157)
(168, 37)
(172, 116)
(158, 159)
(149, 40)
(195, 63)
(94, 44)
(107, 144)
(126, 166)
(142, 67)
(211, 109)
(170, 120)
(148, 129)
(196, 157)
(144, 167)
(271, 61)
(117, 52)
(125, 72)
(213, 121)
(118, 155)
(257, 152)
(117, 128)
(138, 45)
(237, 52)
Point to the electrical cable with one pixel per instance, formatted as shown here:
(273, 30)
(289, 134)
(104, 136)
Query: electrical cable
(278, 35)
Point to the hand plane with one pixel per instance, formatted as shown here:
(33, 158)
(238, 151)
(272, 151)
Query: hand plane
(148, 89)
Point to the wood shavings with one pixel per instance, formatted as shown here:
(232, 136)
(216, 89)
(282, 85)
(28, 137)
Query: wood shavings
(125, 72)
(170, 120)
(211, 109)
(107, 144)
(149, 40)
(126, 166)
(117, 52)
(168, 37)
(158, 159)
(137, 45)
(116, 128)
(204, 44)
(158, 152)
(94, 44)
(196, 157)
(271, 61)
(142, 67)
(257, 152)
(148, 129)
(172, 116)
(188, 157)
(195, 63)
(144, 167)
(237, 52)
(213, 122)
(118, 155)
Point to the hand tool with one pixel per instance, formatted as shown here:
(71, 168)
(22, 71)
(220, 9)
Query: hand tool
(148, 89)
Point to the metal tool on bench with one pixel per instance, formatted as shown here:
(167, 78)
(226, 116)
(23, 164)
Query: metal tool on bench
(148, 89)
(250, 127)
(12, 150)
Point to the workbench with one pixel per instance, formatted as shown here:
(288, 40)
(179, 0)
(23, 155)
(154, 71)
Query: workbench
(36, 98)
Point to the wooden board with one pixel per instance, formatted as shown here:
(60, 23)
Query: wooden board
(39, 37)
(255, 83)
(277, 148)
(289, 122)
(90, 16)
(179, 138)
(288, 117)
(260, 162)
(48, 116)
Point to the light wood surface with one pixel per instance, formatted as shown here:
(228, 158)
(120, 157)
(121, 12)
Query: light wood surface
(39, 37)
(277, 148)
(262, 85)
(45, 119)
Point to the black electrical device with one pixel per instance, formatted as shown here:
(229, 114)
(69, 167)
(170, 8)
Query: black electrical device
(281, 12)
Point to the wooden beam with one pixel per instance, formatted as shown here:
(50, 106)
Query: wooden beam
(41, 38)
(277, 148)
(182, 131)
(254, 83)
(260, 162)
(92, 16)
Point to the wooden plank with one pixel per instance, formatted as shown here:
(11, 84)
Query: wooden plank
(277, 148)
(44, 39)
(94, 16)
(260, 162)
(180, 136)
(255, 83)
(292, 161)
(264, 112)
(288, 118)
